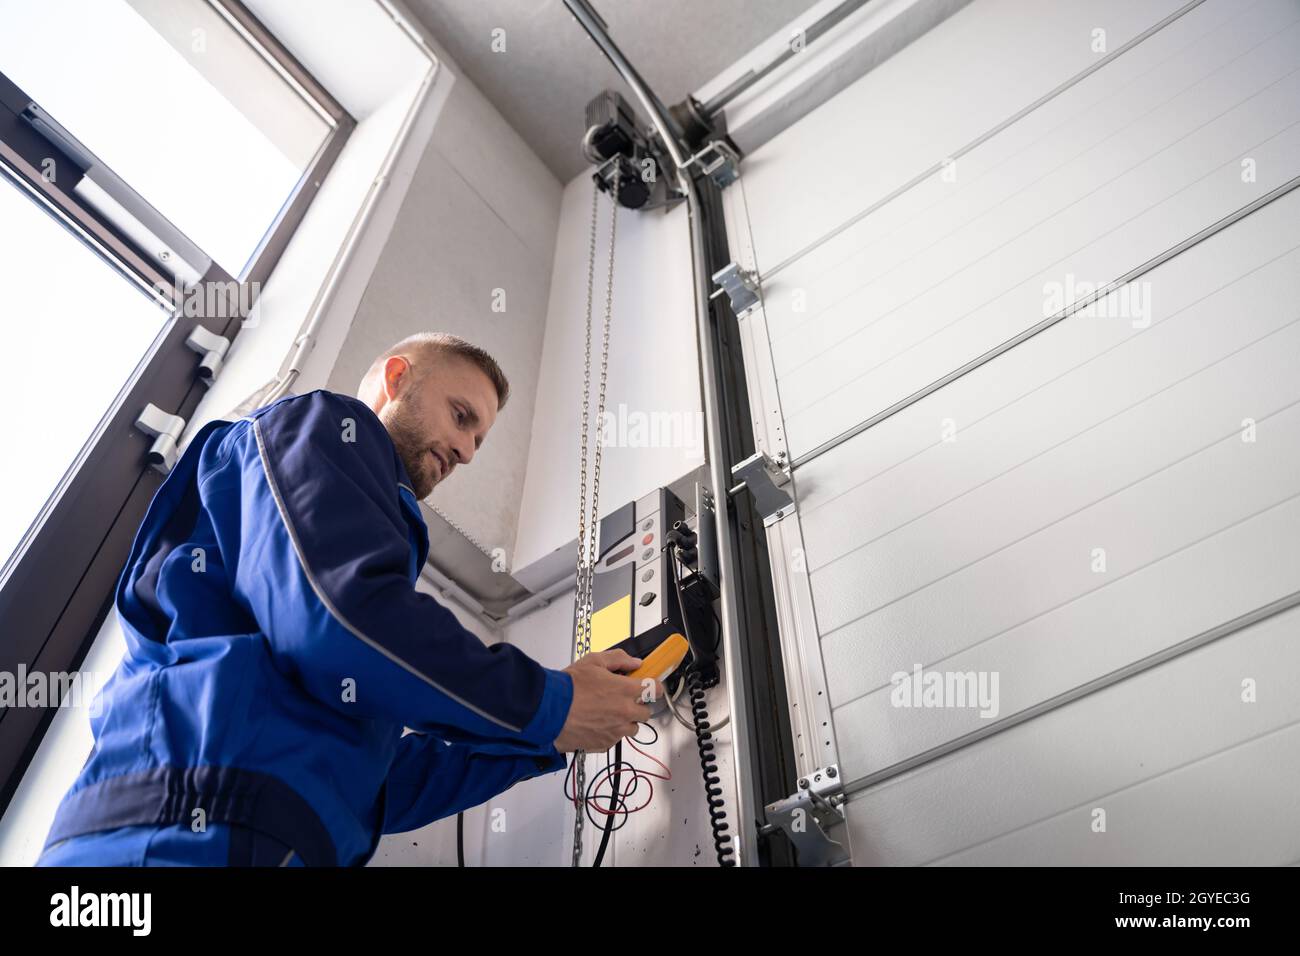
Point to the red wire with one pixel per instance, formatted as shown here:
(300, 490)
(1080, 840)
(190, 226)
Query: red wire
(666, 775)
(606, 775)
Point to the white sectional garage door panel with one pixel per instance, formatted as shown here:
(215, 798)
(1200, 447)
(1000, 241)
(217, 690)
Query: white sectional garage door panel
(1125, 478)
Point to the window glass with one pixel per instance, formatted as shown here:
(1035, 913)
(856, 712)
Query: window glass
(72, 332)
(172, 98)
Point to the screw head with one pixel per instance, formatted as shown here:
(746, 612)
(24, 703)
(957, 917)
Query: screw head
(803, 783)
(832, 772)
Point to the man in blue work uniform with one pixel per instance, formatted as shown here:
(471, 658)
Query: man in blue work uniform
(277, 645)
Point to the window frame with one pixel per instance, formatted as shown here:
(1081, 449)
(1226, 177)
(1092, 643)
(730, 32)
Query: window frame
(57, 587)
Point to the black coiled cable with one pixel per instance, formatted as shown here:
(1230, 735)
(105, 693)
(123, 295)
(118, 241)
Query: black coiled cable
(708, 764)
(704, 740)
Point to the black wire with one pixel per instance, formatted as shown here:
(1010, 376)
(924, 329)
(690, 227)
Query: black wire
(649, 727)
(618, 802)
(460, 839)
(616, 796)
(616, 812)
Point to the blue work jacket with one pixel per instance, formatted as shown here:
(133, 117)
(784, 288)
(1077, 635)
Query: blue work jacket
(277, 647)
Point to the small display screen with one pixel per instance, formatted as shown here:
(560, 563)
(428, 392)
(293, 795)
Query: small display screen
(619, 555)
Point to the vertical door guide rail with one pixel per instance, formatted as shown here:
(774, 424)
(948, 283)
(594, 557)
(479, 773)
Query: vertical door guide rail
(745, 834)
(810, 711)
(1163, 656)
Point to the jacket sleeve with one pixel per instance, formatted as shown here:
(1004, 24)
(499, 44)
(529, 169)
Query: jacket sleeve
(431, 779)
(326, 566)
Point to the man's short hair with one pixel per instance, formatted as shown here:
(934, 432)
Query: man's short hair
(429, 343)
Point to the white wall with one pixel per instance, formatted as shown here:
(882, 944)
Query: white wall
(653, 371)
(478, 223)
(960, 533)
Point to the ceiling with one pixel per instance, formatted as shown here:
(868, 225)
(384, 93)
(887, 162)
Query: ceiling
(549, 70)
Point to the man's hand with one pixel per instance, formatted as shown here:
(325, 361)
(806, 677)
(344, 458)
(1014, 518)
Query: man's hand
(606, 706)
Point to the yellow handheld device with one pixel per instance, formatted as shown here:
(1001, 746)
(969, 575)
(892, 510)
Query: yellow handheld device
(663, 660)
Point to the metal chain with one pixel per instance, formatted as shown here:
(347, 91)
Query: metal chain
(587, 527)
(580, 617)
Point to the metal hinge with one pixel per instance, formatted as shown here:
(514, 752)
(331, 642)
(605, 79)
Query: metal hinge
(212, 347)
(806, 815)
(166, 431)
(741, 288)
(766, 478)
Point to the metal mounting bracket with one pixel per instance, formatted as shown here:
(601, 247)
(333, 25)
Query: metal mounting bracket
(166, 430)
(741, 288)
(806, 816)
(719, 162)
(212, 347)
(766, 479)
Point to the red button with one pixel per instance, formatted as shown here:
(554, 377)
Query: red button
(647, 539)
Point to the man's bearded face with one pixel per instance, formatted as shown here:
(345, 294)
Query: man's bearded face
(439, 418)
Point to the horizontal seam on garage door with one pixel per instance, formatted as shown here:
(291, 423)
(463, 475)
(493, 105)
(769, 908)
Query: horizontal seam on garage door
(805, 510)
(1236, 744)
(983, 138)
(1083, 690)
(1055, 214)
(821, 565)
(1050, 321)
(925, 213)
(1062, 604)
